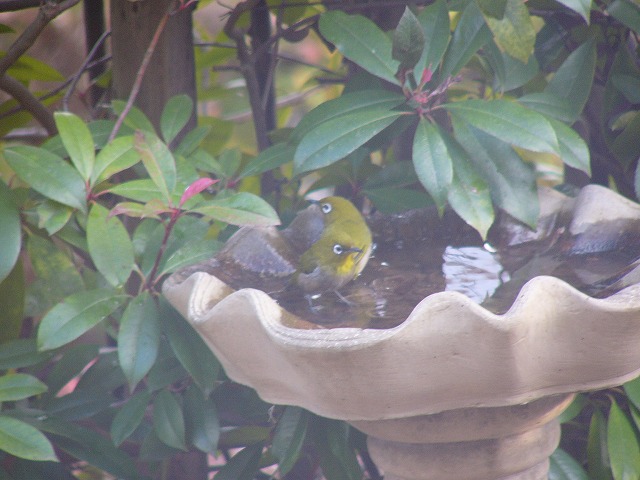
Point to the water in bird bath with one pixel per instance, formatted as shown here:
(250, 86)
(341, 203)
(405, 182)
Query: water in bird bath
(420, 255)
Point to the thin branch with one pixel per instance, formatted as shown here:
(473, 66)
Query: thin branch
(30, 103)
(47, 12)
(84, 67)
(15, 5)
(135, 89)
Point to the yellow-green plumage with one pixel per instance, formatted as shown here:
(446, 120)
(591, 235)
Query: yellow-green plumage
(341, 252)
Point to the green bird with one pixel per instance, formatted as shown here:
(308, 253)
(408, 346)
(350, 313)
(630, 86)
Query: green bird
(340, 253)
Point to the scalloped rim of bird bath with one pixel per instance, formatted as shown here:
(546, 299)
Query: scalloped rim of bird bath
(450, 353)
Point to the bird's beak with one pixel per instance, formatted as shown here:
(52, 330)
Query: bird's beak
(359, 251)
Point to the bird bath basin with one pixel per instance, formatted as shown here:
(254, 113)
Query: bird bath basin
(455, 391)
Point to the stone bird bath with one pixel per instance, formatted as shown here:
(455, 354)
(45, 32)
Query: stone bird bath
(454, 391)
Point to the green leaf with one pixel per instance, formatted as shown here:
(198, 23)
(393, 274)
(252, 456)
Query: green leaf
(53, 216)
(564, 467)
(175, 115)
(85, 445)
(361, 41)
(514, 32)
(493, 8)
(574, 409)
(628, 85)
(598, 463)
(129, 416)
(273, 157)
(109, 245)
(72, 363)
(114, 158)
(624, 450)
(408, 40)
(158, 161)
(549, 105)
(289, 438)
(395, 200)
(190, 349)
(28, 69)
(625, 147)
(77, 141)
(202, 420)
(138, 338)
(10, 233)
(573, 149)
(24, 441)
(20, 353)
(337, 457)
(435, 25)
(141, 190)
(573, 80)
(243, 465)
(469, 194)
(168, 421)
(135, 119)
(48, 174)
(192, 252)
(511, 181)
(80, 404)
(626, 12)
(632, 389)
(470, 35)
(192, 140)
(509, 122)
(348, 103)
(337, 138)
(75, 315)
(12, 293)
(432, 162)
(581, 7)
(17, 386)
(241, 208)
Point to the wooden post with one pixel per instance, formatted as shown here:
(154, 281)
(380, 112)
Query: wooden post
(171, 70)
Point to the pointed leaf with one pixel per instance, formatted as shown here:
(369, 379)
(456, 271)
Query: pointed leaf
(10, 233)
(268, 159)
(469, 194)
(129, 417)
(175, 115)
(24, 441)
(509, 122)
(352, 102)
(77, 141)
(626, 12)
(12, 293)
(18, 386)
(109, 245)
(168, 421)
(361, 41)
(135, 118)
(243, 465)
(573, 149)
(511, 181)
(581, 7)
(289, 438)
(564, 467)
(72, 363)
(191, 351)
(75, 315)
(396, 200)
(598, 463)
(514, 32)
(549, 105)
(158, 161)
(625, 147)
(408, 40)
(48, 174)
(239, 209)
(624, 449)
(470, 35)
(114, 158)
(138, 338)
(432, 162)
(192, 140)
(192, 252)
(202, 420)
(573, 80)
(337, 138)
(435, 25)
(21, 353)
(195, 188)
(632, 389)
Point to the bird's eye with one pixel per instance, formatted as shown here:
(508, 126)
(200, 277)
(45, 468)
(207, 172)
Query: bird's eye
(326, 207)
(337, 249)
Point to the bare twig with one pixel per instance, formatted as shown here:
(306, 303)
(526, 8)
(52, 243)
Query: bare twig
(82, 69)
(47, 12)
(30, 103)
(135, 89)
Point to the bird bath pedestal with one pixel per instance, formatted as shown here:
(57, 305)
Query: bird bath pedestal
(453, 392)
